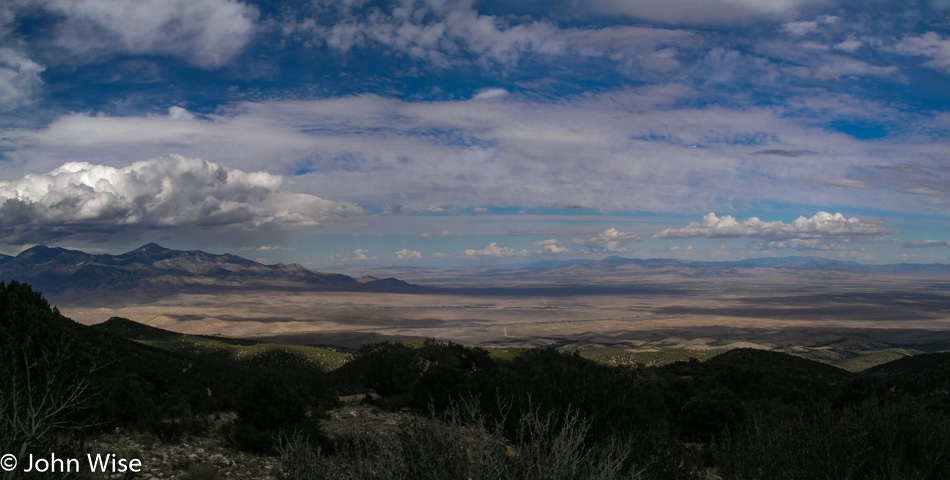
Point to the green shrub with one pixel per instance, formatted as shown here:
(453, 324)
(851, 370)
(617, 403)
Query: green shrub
(268, 406)
(459, 445)
(874, 440)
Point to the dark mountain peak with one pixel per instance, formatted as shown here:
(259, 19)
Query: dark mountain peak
(153, 247)
(390, 284)
(41, 250)
(149, 253)
(42, 254)
(292, 267)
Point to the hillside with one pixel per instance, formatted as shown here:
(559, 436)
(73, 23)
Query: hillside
(237, 351)
(122, 370)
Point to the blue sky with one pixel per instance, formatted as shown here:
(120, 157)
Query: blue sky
(452, 133)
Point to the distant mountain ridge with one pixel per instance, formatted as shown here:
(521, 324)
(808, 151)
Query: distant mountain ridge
(162, 270)
(790, 263)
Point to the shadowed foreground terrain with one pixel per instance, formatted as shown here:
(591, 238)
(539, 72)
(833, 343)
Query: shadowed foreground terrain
(392, 410)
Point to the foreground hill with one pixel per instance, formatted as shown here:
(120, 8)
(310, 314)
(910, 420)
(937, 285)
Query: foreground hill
(158, 270)
(139, 375)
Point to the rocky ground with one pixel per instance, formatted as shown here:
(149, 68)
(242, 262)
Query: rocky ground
(213, 458)
(192, 458)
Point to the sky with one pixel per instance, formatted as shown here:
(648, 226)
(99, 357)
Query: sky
(342, 134)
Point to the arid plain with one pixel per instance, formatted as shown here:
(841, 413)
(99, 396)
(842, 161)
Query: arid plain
(815, 312)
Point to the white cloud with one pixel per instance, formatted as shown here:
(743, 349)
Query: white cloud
(817, 60)
(20, 79)
(493, 250)
(490, 93)
(676, 250)
(80, 199)
(552, 246)
(800, 28)
(908, 178)
(398, 209)
(623, 150)
(610, 240)
(835, 67)
(406, 254)
(443, 234)
(206, 33)
(932, 45)
(806, 27)
(850, 44)
(802, 244)
(701, 12)
(821, 225)
(179, 113)
(927, 243)
(264, 248)
(446, 33)
(359, 255)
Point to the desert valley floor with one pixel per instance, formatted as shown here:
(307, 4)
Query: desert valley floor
(769, 308)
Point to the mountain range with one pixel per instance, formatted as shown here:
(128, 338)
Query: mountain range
(160, 270)
(787, 263)
(153, 270)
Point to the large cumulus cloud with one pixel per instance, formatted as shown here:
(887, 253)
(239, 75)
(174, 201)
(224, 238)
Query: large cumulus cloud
(821, 225)
(81, 200)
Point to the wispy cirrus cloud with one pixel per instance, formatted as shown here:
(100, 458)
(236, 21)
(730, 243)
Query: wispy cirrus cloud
(906, 178)
(444, 34)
